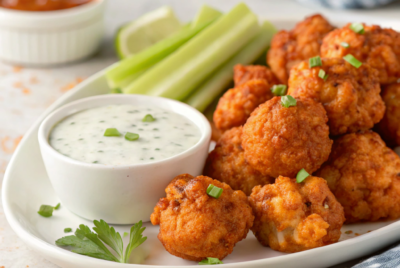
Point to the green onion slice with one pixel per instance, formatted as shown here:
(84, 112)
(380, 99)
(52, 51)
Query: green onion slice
(345, 44)
(67, 230)
(352, 60)
(288, 101)
(279, 90)
(126, 234)
(302, 175)
(214, 191)
(46, 211)
(210, 261)
(112, 132)
(148, 118)
(357, 27)
(322, 74)
(314, 62)
(131, 136)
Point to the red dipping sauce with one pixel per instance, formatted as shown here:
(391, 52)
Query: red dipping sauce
(41, 5)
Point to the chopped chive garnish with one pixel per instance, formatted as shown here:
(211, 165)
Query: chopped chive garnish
(126, 234)
(210, 261)
(47, 211)
(352, 60)
(314, 62)
(345, 45)
(357, 27)
(131, 136)
(112, 132)
(214, 191)
(302, 175)
(279, 90)
(322, 74)
(148, 118)
(67, 230)
(116, 91)
(288, 101)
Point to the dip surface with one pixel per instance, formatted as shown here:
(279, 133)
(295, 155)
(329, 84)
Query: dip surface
(81, 135)
(41, 5)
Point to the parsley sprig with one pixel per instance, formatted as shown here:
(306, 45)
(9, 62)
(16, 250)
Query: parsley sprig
(92, 244)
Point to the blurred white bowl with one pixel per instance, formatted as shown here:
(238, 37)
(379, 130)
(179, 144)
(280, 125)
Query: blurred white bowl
(43, 38)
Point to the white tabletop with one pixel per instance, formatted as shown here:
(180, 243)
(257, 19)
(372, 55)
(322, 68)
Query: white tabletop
(25, 92)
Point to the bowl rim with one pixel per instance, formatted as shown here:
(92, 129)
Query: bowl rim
(68, 109)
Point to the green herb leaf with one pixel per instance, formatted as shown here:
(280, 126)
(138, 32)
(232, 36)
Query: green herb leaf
(302, 175)
(109, 236)
(57, 206)
(322, 74)
(288, 101)
(47, 211)
(131, 136)
(126, 234)
(352, 60)
(279, 90)
(67, 230)
(136, 239)
(112, 132)
(357, 27)
(210, 261)
(214, 191)
(148, 118)
(314, 62)
(345, 45)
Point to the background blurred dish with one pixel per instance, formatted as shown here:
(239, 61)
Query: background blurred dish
(346, 4)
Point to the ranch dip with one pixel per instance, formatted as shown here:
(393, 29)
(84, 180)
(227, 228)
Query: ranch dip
(164, 134)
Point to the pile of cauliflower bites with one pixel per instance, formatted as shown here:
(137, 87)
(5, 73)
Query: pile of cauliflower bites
(305, 147)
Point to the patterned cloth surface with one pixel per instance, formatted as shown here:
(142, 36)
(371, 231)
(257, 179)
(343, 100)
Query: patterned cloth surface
(388, 259)
(347, 4)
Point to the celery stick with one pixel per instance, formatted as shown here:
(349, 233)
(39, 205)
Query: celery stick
(215, 85)
(151, 55)
(178, 75)
(205, 14)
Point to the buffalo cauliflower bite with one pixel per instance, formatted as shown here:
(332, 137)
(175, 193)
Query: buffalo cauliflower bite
(389, 126)
(350, 95)
(281, 141)
(291, 47)
(194, 225)
(236, 105)
(379, 47)
(364, 175)
(226, 163)
(292, 217)
(242, 74)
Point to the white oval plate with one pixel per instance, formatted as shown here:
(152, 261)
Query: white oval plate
(26, 187)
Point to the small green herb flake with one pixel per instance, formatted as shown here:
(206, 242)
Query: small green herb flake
(148, 118)
(357, 27)
(57, 206)
(67, 230)
(288, 101)
(126, 234)
(345, 45)
(322, 74)
(214, 191)
(112, 132)
(116, 91)
(210, 261)
(314, 62)
(302, 175)
(352, 60)
(279, 90)
(131, 136)
(46, 211)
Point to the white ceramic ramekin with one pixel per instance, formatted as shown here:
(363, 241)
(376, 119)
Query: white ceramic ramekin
(51, 37)
(119, 194)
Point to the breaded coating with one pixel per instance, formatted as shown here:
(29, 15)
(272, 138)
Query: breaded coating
(236, 105)
(288, 48)
(281, 141)
(389, 126)
(292, 217)
(227, 163)
(242, 74)
(349, 95)
(364, 175)
(194, 225)
(379, 47)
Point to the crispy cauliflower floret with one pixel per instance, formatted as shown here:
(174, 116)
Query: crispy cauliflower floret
(292, 217)
(364, 175)
(243, 73)
(194, 225)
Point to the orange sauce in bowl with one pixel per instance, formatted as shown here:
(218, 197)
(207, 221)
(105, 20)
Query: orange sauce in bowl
(41, 5)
